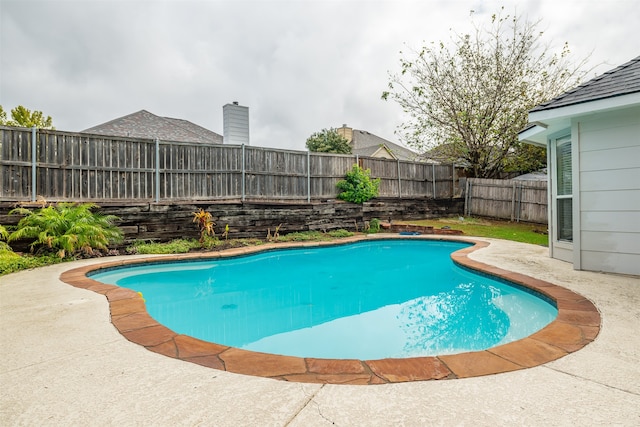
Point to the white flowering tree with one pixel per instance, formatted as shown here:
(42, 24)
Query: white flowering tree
(468, 99)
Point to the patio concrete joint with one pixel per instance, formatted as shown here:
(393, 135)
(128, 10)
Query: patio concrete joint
(309, 399)
(600, 383)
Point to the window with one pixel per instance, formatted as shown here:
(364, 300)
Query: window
(564, 190)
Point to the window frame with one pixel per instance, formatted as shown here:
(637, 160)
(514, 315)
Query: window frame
(559, 189)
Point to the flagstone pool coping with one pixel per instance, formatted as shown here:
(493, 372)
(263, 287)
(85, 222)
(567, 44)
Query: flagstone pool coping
(577, 324)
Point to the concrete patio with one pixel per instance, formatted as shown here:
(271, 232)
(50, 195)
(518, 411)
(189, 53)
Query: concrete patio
(64, 363)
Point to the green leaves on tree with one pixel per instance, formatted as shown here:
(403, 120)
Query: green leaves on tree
(328, 141)
(21, 116)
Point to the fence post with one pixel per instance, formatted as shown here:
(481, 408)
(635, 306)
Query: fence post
(33, 164)
(513, 200)
(399, 181)
(433, 179)
(157, 195)
(468, 197)
(243, 173)
(453, 180)
(519, 201)
(308, 176)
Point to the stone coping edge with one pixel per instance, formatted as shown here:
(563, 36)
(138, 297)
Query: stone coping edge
(577, 324)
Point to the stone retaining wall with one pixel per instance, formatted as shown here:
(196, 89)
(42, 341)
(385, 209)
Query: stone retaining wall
(151, 221)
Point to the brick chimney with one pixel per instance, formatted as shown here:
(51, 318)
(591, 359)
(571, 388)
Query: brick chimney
(346, 132)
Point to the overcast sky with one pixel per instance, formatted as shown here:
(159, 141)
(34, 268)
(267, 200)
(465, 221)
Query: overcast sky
(300, 66)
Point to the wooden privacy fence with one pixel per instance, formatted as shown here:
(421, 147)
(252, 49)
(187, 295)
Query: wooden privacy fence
(507, 198)
(57, 165)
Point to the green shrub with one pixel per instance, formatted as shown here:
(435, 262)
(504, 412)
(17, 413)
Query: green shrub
(11, 262)
(178, 246)
(4, 234)
(358, 187)
(181, 246)
(67, 228)
(211, 242)
(248, 242)
(374, 226)
(340, 233)
(302, 236)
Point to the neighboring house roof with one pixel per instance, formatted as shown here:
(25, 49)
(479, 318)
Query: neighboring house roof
(533, 176)
(621, 80)
(364, 143)
(442, 154)
(144, 124)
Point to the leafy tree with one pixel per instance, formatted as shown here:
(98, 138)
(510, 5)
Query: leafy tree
(526, 158)
(328, 141)
(67, 228)
(471, 97)
(21, 116)
(358, 187)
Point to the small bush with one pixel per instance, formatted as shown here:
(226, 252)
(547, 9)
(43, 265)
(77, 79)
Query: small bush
(11, 262)
(358, 187)
(4, 233)
(179, 246)
(302, 236)
(205, 223)
(67, 229)
(340, 233)
(211, 242)
(248, 242)
(374, 226)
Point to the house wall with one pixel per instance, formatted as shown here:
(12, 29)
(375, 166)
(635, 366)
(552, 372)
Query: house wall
(382, 153)
(608, 192)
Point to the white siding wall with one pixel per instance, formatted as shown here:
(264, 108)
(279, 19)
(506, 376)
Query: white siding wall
(609, 186)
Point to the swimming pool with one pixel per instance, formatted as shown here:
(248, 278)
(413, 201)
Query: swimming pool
(366, 300)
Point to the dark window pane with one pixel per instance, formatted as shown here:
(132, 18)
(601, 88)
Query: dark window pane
(565, 219)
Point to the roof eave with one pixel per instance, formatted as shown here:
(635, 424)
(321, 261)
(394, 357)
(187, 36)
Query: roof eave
(535, 135)
(583, 108)
(553, 120)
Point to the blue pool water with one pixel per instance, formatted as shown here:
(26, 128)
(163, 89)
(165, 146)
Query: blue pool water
(367, 300)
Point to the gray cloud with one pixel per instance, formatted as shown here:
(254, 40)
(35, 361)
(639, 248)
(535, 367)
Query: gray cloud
(299, 65)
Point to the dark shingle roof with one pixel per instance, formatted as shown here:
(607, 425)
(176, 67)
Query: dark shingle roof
(144, 124)
(622, 80)
(366, 144)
